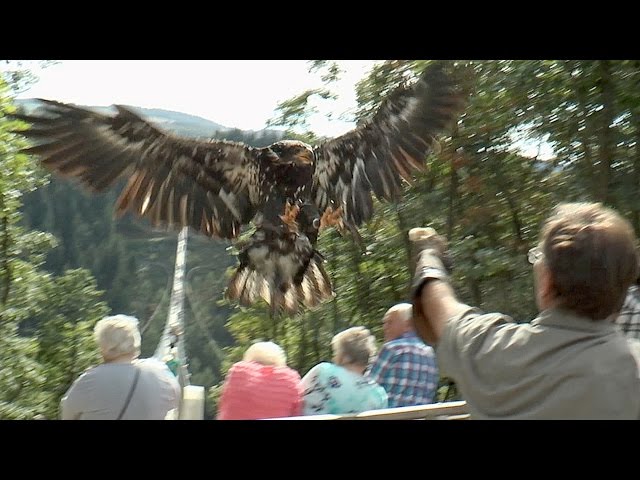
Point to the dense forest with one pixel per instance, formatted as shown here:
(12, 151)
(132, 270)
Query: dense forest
(65, 261)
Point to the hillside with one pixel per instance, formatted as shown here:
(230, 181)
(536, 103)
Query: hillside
(176, 122)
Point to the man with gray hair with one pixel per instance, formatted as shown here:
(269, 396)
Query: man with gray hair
(122, 387)
(406, 366)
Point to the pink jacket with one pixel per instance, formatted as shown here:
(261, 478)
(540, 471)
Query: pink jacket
(252, 391)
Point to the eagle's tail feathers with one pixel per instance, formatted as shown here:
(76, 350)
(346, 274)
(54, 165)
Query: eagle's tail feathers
(247, 286)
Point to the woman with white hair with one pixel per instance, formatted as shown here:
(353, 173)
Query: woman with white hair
(341, 387)
(122, 387)
(261, 386)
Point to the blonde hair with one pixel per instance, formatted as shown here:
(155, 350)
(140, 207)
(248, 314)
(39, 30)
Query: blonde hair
(266, 353)
(118, 335)
(354, 345)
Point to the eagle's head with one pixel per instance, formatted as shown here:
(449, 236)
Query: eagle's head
(293, 152)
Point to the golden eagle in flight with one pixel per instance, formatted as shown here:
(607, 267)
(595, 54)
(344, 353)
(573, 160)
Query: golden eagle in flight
(288, 190)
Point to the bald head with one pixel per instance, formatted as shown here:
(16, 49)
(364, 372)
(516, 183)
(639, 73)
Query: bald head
(397, 321)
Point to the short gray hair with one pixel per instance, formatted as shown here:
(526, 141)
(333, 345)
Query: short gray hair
(354, 345)
(266, 353)
(118, 335)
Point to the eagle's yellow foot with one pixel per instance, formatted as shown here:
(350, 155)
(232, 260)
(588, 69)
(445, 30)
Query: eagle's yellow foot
(290, 215)
(331, 218)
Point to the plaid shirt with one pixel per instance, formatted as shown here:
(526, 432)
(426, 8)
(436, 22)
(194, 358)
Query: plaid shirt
(629, 318)
(406, 369)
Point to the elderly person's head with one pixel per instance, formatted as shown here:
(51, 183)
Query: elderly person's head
(353, 347)
(266, 353)
(585, 261)
(118, 338)
(397, 321)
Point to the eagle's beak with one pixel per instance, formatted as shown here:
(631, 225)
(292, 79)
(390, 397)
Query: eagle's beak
(305, 158)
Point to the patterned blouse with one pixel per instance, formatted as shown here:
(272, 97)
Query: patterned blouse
(332, 389)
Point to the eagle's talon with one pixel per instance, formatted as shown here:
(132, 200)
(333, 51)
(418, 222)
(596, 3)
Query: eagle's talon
(331, 218)
(290, 215)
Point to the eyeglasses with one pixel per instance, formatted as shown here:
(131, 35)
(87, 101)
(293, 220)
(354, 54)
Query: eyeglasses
(534, 255)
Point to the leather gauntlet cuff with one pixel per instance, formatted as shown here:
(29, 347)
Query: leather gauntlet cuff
(428, 266)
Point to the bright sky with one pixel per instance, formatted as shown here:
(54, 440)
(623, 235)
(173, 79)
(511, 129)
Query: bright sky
(235, 93)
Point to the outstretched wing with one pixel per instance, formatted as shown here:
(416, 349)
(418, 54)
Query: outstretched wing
(172, 181)
(391, 145)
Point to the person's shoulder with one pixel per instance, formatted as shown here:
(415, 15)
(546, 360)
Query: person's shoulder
(632, 297)
(379, 392)
(242, 370)
(155, 367)
(322, 368)
(152, 364)
(406, 344)
(634, 344)
(86, 381)
(634, 348)
(473, 326)
(393, 346)
(474, 317)
(90, 373)
(391, 350)
(242, 366)
(288, 373)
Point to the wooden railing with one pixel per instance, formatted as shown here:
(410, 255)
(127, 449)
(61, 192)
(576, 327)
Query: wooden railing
(434, 411)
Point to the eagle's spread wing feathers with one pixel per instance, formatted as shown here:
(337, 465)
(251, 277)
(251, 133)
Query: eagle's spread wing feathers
(391, 145)
(172, 181)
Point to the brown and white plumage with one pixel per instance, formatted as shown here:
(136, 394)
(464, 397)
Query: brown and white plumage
(210, 186)
(216, 187)
(390, 146)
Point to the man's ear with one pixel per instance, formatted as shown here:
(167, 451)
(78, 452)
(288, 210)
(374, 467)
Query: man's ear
(546, 285)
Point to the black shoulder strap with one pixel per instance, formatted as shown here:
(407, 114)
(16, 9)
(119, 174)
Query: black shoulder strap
(133, 387)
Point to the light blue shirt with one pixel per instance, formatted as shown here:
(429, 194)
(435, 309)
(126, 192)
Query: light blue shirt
(332, 389)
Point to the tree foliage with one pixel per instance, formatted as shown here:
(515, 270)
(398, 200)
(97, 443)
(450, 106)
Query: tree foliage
(45, 320)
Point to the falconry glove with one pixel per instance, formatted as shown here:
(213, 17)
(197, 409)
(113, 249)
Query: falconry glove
(429, 258)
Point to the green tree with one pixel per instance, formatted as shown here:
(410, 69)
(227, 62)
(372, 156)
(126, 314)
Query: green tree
(45, 321)
(66, 319)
